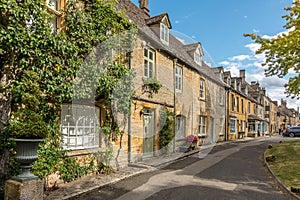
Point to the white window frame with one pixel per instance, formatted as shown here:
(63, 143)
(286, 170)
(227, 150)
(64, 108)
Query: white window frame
(178, 78)
(164, 33)
(197, 57)
(233, 126)
(221, 126)
(180, 127)
(53, 4)
(54, 7)
(80, 126)
(235, 84)
(221, 96)
(202, 120)
(149, 63)
(202, 89)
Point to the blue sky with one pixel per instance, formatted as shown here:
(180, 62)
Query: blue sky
(219, 25)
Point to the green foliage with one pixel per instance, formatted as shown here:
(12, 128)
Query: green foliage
(151, 86)
(42, 69)
(50, 154)
(70, 169)
(53, 158)
(5, 142)
(28, 120)
(166, 133)
(103, 160)
(282, 52)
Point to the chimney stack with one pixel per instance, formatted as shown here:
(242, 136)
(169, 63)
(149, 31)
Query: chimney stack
(263, 91)
(283, 103)
(243, 74)
(144, 6)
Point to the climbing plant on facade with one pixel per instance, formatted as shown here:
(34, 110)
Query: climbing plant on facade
(27, 43)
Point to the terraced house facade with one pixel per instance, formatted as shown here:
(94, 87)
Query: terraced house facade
(190, 88)
(208, 103)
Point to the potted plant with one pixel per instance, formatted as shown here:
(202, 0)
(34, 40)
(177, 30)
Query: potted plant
(27, 124)
(192, 141)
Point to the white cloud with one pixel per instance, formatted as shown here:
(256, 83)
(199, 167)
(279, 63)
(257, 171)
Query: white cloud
(260, 57)
(253, 47)
(278, 34)
(273, 82)
(245, 16)
(256, 72)
(255, 31)
(177, 21)
(240, 58)
(278, 94)
(224, 63)
(233, 68)
(254, 77)
(257, 64)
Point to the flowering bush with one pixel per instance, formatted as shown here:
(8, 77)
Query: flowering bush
(191, 138)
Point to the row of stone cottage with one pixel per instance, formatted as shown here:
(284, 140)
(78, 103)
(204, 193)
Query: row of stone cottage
(208, 102)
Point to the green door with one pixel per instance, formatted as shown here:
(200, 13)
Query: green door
(148, 133)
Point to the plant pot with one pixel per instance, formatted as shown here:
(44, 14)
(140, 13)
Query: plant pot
(26, 155)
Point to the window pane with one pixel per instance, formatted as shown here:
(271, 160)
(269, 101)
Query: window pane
(54, 4)
(146, 68)
(79, 125)
(54, 24)
(151, 56)
(179, 83)
(150, 69)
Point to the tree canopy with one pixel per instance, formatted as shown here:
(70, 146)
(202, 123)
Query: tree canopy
(282, 52)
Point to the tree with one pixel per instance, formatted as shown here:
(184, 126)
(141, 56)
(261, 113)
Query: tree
(283, 51)
(29, 46)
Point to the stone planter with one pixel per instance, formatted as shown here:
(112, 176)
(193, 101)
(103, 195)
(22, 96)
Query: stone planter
(26, 155)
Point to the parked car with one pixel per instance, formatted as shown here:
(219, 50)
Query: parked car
(292, 131)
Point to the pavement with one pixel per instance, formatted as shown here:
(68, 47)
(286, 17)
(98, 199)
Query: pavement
(94, 181)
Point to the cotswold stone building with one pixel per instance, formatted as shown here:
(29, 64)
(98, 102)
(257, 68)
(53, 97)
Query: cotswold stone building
(207, 103)
(190, 88)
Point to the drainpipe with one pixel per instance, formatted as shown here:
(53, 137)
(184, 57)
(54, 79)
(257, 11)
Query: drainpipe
(174, 82)
(129, 119)
(227, 113)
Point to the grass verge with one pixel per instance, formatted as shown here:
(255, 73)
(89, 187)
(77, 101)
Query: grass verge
(286, 165)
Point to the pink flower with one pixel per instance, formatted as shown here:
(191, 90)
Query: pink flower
(191, 138)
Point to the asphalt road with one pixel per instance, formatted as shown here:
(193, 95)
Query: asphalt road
(228, 171)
